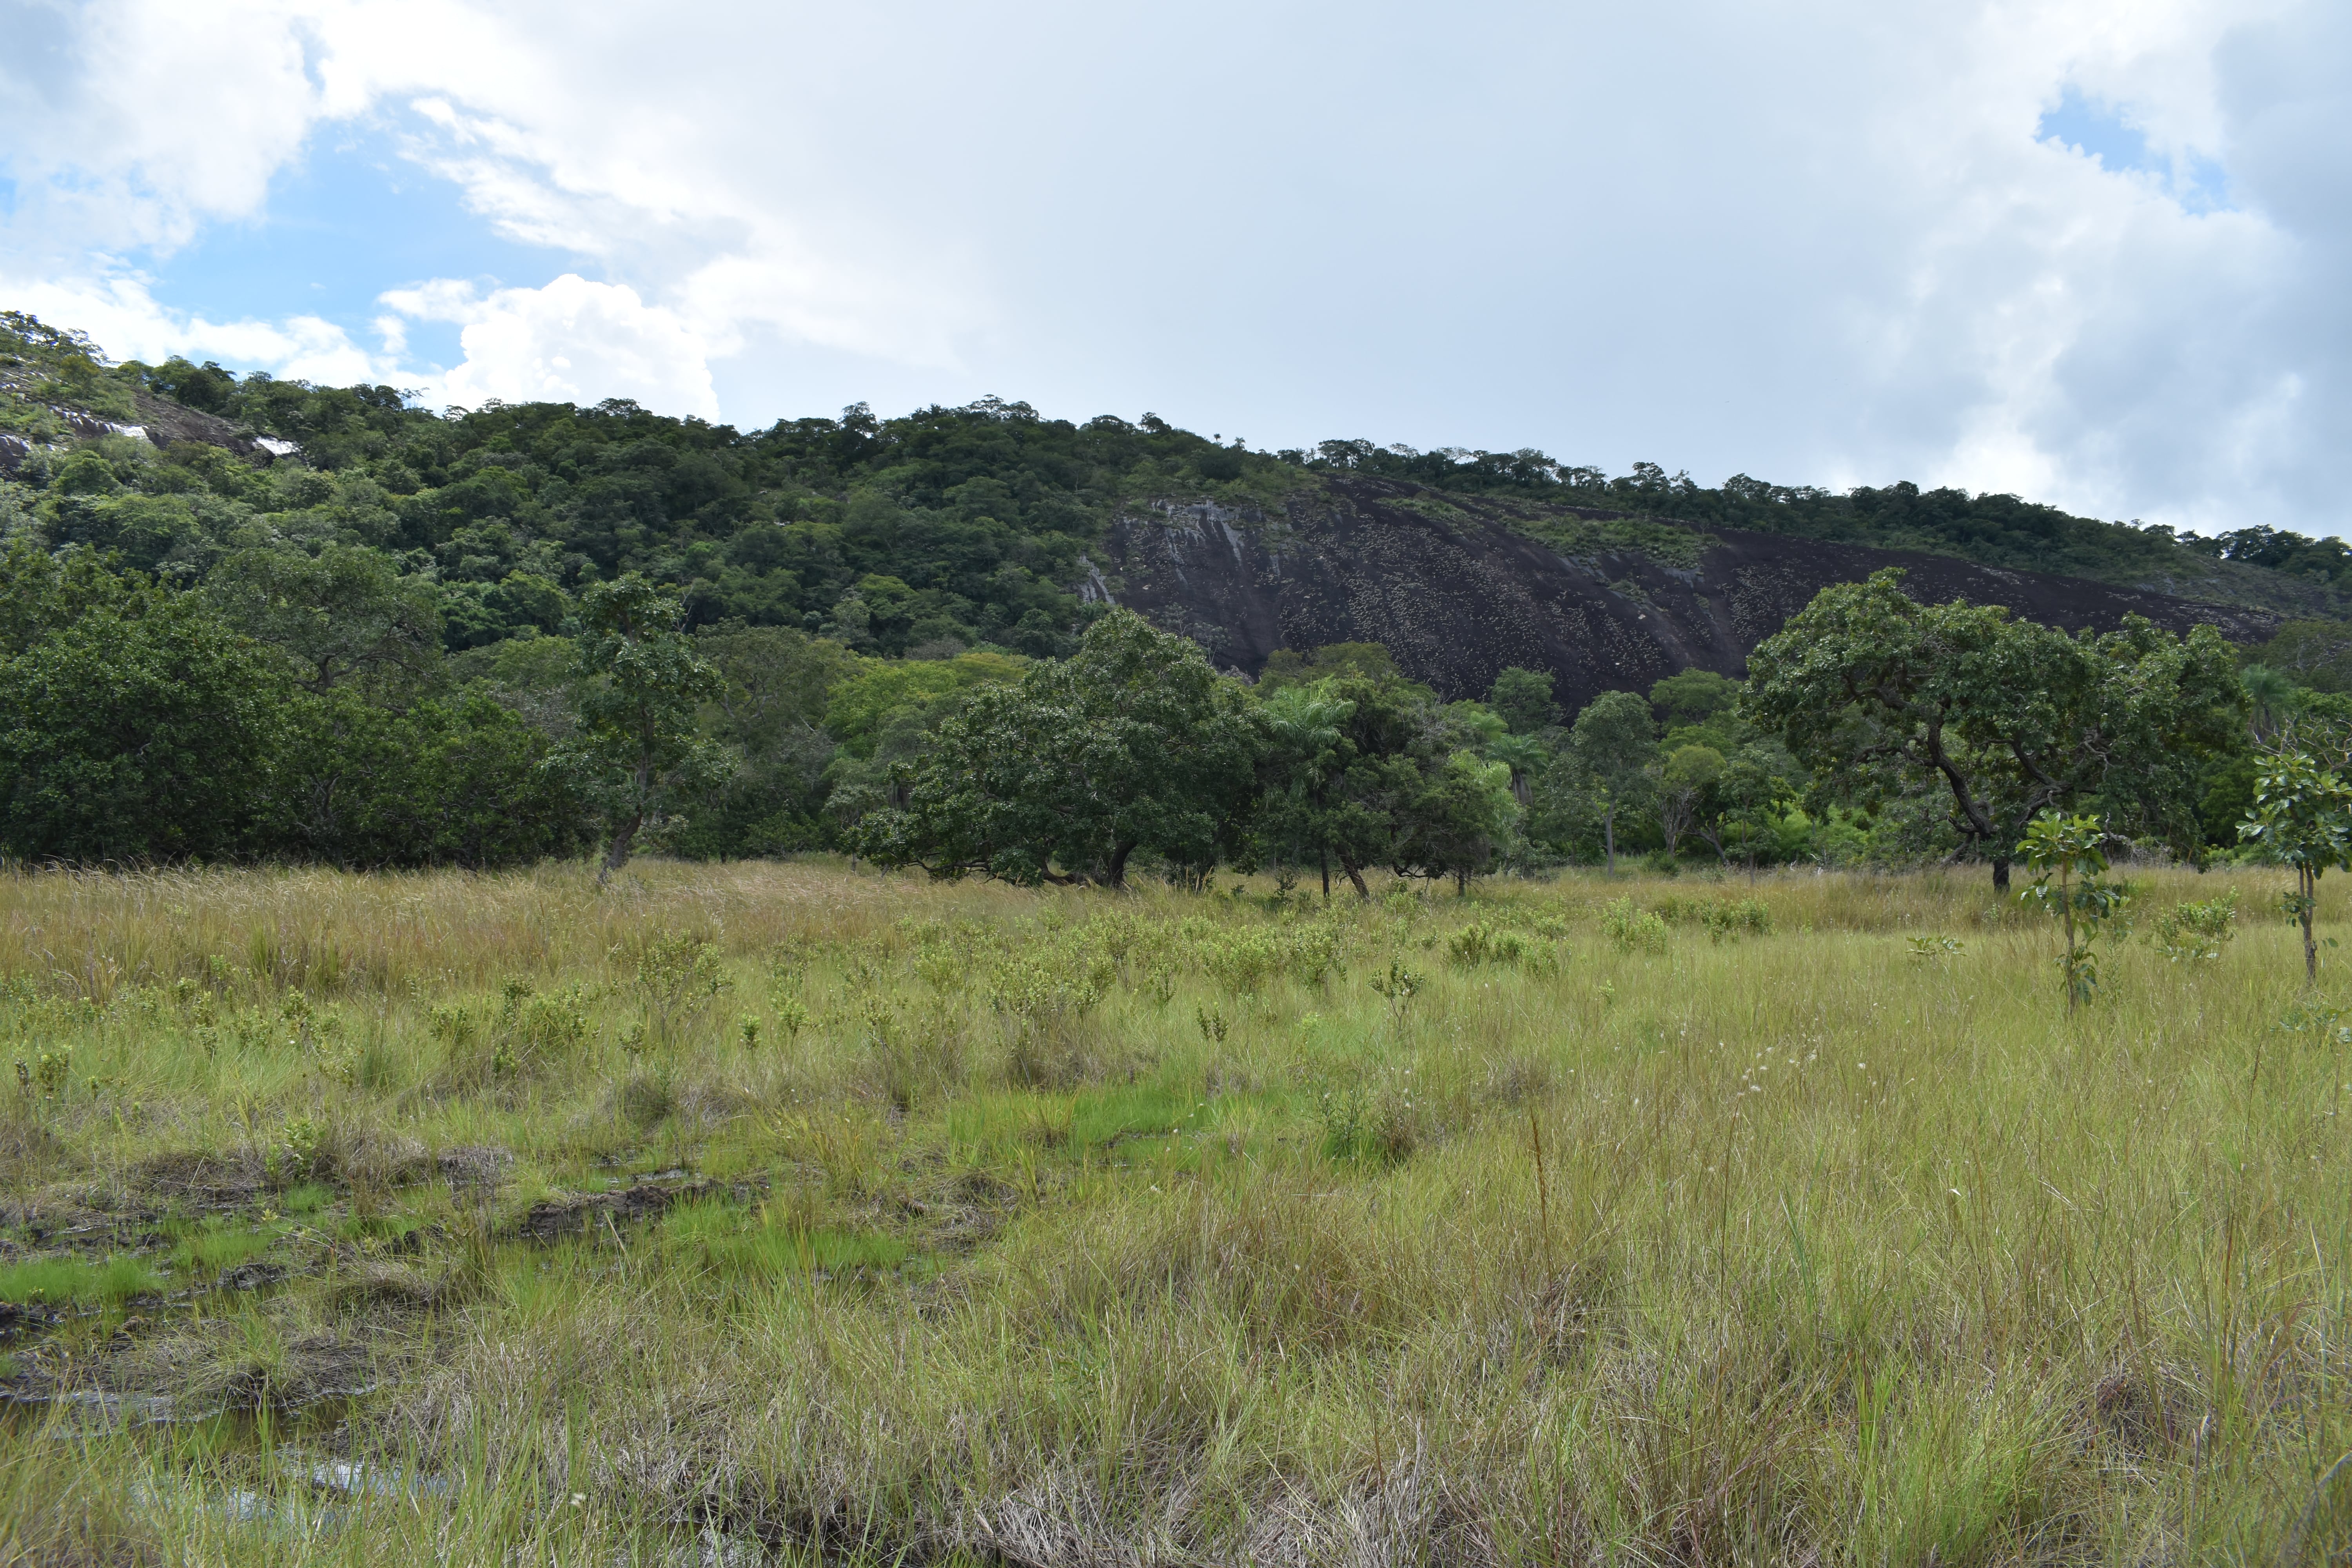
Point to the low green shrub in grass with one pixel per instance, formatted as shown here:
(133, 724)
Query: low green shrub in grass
(1723, 920)
(1632, 929)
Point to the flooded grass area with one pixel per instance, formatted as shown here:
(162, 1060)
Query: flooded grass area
(771, 1213)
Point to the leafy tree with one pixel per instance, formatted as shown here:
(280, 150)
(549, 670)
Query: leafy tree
(1306, 753)
(135, 723)
(777, 683)
(637, 756)
(1881, 698)
(1523, 697)
(1694, 697)
(2316, 655)
(1526, 756)
(2272, 699)
(1463, 814)
(2073, 849)
(1286, 667)
(862, 699)
(1133, 742)
(1393, 740)
(1687, 781)
(1611, 747)
(339, 616)
(206, 386)
(454, 781)
(1751, 798)
(2303, 818)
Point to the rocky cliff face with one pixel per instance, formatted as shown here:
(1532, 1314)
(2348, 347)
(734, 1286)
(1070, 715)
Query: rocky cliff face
(1457, 590)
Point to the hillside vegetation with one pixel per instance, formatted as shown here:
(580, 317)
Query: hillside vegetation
(738, 1213)
(311, 624)
(963, 524)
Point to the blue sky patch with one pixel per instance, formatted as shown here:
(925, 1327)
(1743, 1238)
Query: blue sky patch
(2087, 125)
(349, 220)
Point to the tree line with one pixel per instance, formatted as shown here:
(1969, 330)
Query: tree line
(297, 707)
(405, 646)
(1990, 528)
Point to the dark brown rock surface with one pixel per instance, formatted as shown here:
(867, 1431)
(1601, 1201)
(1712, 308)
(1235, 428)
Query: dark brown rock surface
(1455, 593)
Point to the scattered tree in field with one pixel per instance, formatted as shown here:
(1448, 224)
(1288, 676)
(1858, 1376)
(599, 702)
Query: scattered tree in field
(2072, 849)
(637, 756)
(2303, 817)
(1395, 745)
(1133, 742)
(1882, 698)
(1465, 811)
(1746, 801)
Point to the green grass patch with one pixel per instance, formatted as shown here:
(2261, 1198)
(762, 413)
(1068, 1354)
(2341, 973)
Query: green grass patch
(1629, 1262)
(309, 1197)
(1137, 1110)
(746, 1247)
(999, 1124)
(378, 1226)
(222, 1246)
(58, 1281)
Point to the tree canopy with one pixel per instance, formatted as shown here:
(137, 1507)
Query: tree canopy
(1884, 698)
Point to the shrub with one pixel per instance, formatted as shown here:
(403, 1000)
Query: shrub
(1478, 943)
(1723, 920)
(1633, 929)
(678, 976)
(2194, 930)
(1045, 998)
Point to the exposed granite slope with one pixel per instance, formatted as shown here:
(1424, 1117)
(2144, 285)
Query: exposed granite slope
(1457, 590)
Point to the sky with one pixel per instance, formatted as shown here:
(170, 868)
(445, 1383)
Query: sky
(2093, 252)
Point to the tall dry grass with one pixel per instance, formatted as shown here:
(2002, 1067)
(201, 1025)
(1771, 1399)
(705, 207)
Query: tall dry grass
(1161, 1232)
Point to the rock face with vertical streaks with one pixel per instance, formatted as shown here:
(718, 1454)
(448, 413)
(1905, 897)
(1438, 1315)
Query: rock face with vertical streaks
(1457, 588)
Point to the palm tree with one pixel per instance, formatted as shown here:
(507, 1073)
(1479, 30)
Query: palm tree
(1304, 721)
(1527, 755)
(2274, 696)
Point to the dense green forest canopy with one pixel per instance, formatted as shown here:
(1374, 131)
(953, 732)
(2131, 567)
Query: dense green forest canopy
(946, 525)
(328, 623)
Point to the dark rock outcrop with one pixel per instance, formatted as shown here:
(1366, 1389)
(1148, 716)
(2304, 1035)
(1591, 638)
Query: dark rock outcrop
(1456, 594)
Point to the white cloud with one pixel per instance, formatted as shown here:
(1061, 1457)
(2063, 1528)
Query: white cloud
(571, 341)
(1817, 242)
(121, 316)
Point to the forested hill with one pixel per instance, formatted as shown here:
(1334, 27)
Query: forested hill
(944, 530)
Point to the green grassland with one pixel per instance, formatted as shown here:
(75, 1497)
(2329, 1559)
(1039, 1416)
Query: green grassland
(769, 1212)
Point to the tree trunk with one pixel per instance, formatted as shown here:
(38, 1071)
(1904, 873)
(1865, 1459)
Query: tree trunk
(1325, 857)
(1461, 882)
(1608, 837)
(2066, 909)
(1356, 876)
(1117, 880)
(616, 854)
(2310, 881)
(2001, 876)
